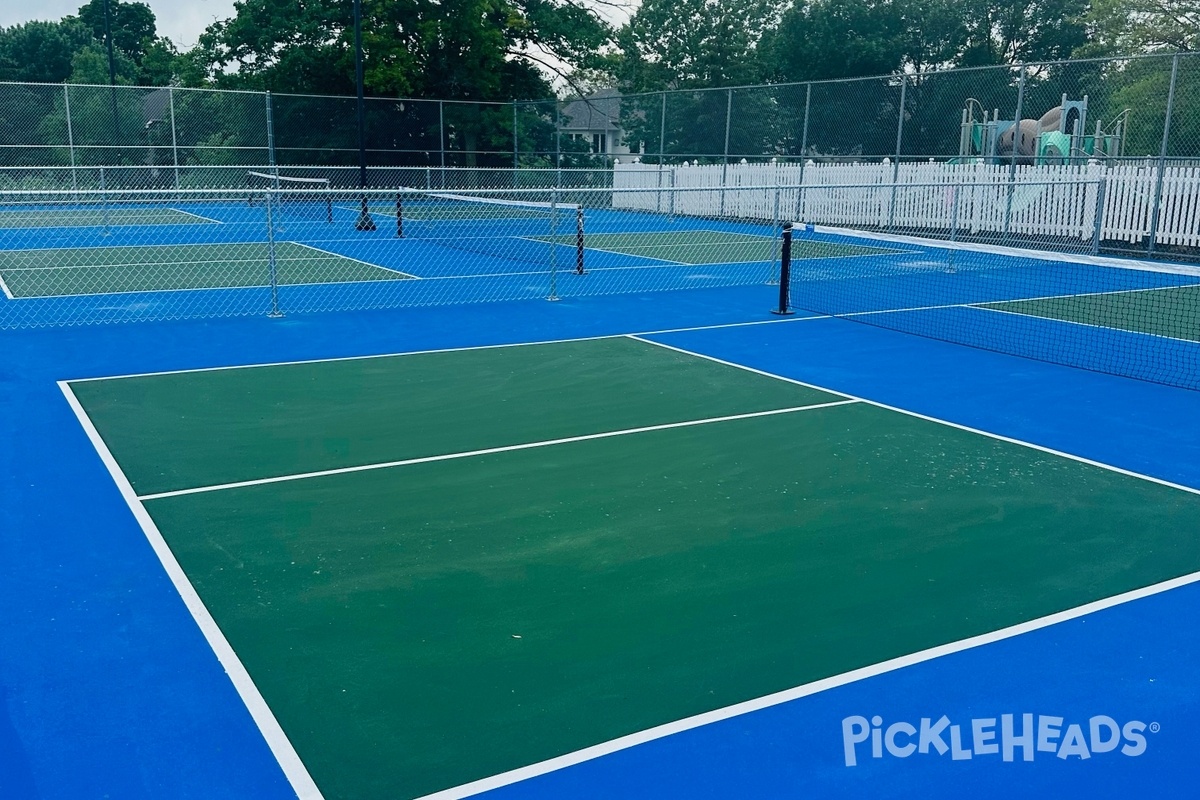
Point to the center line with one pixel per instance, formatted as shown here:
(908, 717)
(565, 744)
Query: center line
(488, 451)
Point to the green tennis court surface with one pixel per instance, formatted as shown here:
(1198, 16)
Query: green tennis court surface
(102, 270)
(97, 217)
(711, 247)
(420, 625)
(1171, 311)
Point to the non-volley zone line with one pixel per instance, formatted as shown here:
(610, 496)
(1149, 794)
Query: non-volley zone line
(493, 450)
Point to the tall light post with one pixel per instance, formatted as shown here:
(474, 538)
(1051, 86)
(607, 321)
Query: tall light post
(112, 72)
(365, 223)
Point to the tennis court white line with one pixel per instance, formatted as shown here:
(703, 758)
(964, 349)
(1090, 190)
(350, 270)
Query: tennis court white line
(293, 768)
(490, 450)
(242, 288)
(233, 243)
(805, 690)
(197, 216)
(1083, 324)
(4, 287)
(259, 260)
(355, 260)
(947, 423)
(1017, 252)
(465, 348)
(1088, 294)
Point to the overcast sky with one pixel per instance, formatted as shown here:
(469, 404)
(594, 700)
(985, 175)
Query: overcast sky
(180, 20)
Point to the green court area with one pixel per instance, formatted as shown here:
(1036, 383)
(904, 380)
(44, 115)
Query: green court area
(438, 567)
(63, 272)
(712, 247)
(92, 217)
(1170, 311)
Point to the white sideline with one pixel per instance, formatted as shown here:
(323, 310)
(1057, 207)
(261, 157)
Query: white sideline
(281, 747)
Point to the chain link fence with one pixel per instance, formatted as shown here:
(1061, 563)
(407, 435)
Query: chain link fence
(1093, 156)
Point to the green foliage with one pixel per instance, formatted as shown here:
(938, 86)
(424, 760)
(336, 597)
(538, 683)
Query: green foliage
(695, 43)
(455, 49)
(41, 52)
(833, 39)
(90, 65)
(133, 25)
(1141, 26)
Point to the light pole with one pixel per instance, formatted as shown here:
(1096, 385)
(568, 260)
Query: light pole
(365, 223)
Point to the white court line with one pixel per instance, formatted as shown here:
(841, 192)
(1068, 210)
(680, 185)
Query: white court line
(239, 288)
(217, 261)
(805, 690)
(197, 216)
(355, 260)
(489, 450)
(4, 287)
(1082, 324)
(1040, 255)
(1069, 296)
(297, 775)
(947, 423)
(825, 684)
(433, 351)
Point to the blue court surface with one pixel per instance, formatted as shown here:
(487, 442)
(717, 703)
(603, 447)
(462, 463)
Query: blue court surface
(983, 640)
(109, 687)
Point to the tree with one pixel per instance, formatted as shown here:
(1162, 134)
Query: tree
(695, 43)
(40, 52)
(1143, 26)
(132, 24)
(455, 49)
(833, 39)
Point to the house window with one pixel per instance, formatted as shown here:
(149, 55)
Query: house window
(599, 143)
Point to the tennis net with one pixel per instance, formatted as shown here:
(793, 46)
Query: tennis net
(311, 195)
(1138, 319)
(549, 234)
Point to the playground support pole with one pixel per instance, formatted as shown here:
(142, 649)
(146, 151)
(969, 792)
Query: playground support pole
(1012, 163)
(1162, 157)
(896, 162)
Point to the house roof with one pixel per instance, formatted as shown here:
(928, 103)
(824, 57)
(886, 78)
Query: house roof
(598, 111)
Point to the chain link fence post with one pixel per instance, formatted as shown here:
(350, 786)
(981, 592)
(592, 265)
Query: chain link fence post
(896, 162)
(1012, 163)
(803, 153)
(725, 151)
(174, 137)
(70, 135)
(274, 169)
(1162, 157)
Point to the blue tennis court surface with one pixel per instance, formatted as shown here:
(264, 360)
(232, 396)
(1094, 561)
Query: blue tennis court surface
(927, 535)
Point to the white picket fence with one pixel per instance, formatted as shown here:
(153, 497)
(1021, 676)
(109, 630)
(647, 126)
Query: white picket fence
(1048, 201)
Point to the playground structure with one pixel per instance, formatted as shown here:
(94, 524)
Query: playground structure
(1058, 137)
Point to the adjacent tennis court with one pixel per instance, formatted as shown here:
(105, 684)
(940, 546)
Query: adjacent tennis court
(149, 268)
(1169, 311)
(93, 216)
(441, 566)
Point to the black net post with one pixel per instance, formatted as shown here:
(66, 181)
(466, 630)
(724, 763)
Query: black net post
(399, 216)
(785, 272)
(579, 240)
(365, 223)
